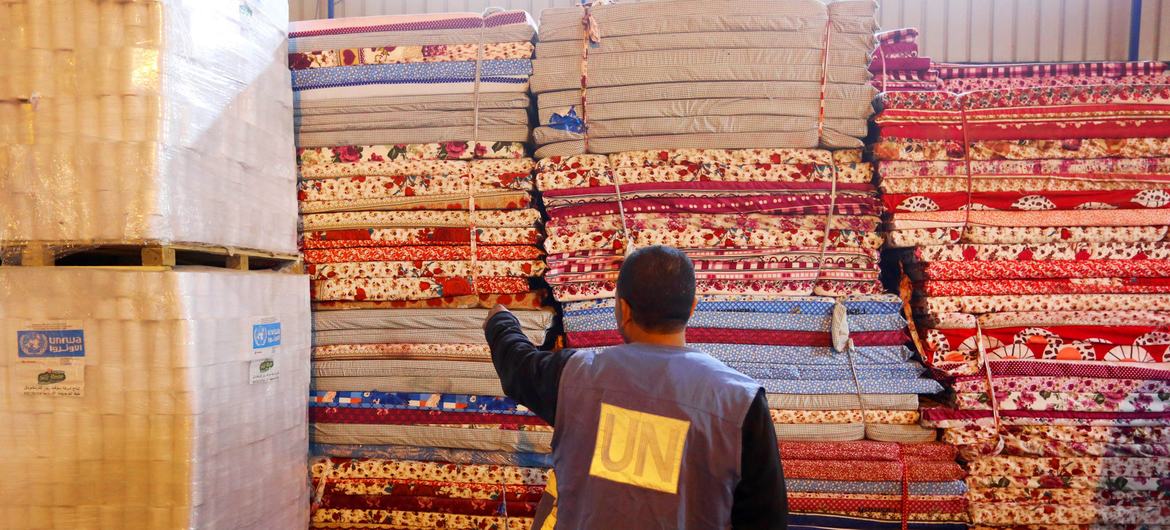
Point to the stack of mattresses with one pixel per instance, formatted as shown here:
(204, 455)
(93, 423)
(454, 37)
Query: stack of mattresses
(1062, 444)
(897, 64)
(413, 79)
(400, 294)
(758, 222)
(1035, 213)
(412, 494)
(873, 485)
(698, 125)
(975, 77)
(674, 74)
(815, 392)
(417, 218)
(785, 245)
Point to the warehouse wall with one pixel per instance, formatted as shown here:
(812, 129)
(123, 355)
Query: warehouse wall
(1030, 30)
(1156, 29)
(956, 30)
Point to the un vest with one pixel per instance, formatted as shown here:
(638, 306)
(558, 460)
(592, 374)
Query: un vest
(648, 437)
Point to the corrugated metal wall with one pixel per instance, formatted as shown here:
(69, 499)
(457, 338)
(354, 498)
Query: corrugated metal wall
(1156, 29)
(954, 30)
(1030, 30)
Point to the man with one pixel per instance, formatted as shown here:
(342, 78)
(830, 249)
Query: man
(651, 434)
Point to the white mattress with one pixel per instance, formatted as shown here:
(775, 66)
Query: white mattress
(133, 121)
(169, 432)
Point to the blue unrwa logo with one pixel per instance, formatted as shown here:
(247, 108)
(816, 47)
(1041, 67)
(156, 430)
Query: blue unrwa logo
(51, 343)
(265, 335)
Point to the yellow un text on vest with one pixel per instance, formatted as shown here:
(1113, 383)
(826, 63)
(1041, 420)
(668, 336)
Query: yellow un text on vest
(639, 449)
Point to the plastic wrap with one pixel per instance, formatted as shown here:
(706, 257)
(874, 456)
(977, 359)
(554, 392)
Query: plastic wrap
(160, 121)
(178, 423)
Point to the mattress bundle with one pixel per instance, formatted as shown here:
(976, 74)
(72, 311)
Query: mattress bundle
(898, 66)
(873, 485)
(1033, 212)
(397, 493)
(1063, 444)
(417, 217)
(400, 295)
(785, 247)
(413, 79)
(699, 125)
(675, 74)
(419, 378)
(815, 392)
(976, 77)
(757, 222)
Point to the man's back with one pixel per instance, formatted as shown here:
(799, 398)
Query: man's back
(650, 434)
(656, 427)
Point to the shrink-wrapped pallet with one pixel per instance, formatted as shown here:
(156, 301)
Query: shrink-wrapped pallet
(162, 121)
(159, 400)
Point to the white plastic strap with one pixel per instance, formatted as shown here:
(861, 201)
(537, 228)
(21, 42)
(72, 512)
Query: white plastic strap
(479, 70)
(617, 186)
(829, 218)
(319, 492)
(985, 363)
(473, 259)
(843, 343)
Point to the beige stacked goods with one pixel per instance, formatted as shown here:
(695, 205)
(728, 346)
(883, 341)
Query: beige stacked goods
(672, 74)
(152, 395)
(165, 417)
(140, 121)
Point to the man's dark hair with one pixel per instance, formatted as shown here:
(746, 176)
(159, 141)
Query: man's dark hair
(659, 284)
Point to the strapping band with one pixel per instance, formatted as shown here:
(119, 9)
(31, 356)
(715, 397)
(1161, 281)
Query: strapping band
(473, 259)
(591, 37)
(478, 76)
(828, 232)
(504, 503)
(617, 186)
(967, 168)
(824, 81)
(319, 492)
(905, 475)
(848, 350)
(479, 68)
(857, 385)
(985, 363)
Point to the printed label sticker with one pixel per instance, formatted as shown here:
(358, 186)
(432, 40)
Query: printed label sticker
(263, 371)
(265, 334)
(46, 343)
(51, 359)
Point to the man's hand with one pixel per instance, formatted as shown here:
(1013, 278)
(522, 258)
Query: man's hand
(499, 308)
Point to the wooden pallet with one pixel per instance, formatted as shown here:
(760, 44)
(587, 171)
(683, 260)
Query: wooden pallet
(145, 255)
